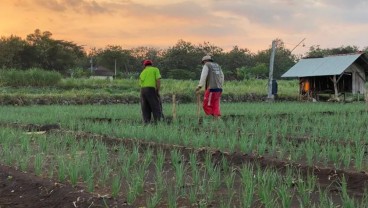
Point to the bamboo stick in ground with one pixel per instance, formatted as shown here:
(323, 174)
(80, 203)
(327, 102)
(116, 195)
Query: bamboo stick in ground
(366, 99)
(174, 107)
(200, 120)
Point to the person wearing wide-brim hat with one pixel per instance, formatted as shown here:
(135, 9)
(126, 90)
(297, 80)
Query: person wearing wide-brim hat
(212, 80)
(150, 83)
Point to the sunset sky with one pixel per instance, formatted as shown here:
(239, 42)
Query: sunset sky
(251, 24)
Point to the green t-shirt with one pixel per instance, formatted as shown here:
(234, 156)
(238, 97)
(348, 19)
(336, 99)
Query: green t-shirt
(149, 76)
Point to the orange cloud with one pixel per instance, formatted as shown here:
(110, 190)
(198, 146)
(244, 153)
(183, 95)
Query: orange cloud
(161, 23)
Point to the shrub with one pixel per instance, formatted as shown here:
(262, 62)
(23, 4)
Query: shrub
(181, 74)
(33, 77)
(79, 72)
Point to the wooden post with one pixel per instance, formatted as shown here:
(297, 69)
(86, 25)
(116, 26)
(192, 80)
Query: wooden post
(200, 119)
(198, 105)
(174, 106)
(335, 88)
(366, 100)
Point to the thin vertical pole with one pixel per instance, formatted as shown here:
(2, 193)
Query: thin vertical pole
(198, 106)
(115, 67)
(335, 87)
(174, 106)
(270, 77)
(91, 65)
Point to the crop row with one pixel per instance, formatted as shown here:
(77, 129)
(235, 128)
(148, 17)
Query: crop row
(264, 132)
(153, 177)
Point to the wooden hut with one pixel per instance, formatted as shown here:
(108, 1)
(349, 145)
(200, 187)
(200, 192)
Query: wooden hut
(334, 75)
(101, 72)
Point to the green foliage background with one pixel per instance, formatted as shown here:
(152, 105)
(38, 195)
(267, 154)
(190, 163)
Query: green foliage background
(33, 77)
(181, 61)
(57, 69)
(93, 91)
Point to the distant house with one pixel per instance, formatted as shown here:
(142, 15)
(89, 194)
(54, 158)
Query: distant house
(101, 72)
(332, 74)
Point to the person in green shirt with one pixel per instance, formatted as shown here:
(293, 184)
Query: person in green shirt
(150, 82)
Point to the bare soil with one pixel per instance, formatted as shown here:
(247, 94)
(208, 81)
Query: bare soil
(18, 189)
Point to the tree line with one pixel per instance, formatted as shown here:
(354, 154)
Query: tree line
(181, 61)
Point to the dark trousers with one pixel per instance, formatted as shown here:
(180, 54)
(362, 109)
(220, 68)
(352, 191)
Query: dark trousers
(150, 104)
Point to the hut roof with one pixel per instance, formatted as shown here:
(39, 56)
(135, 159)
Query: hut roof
(330, 65)
(102, 71)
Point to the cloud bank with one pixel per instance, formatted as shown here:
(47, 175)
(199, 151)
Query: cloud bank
(248, 24)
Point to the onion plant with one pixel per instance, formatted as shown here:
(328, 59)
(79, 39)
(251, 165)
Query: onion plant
(116, 185)
(359, 157)
(61, 168)
(324, 199)
(153, 200)
(248, 186)
(38, 163)
(160, 161)
(304, 193)
(318, 134)
(172, 196)
(193, 195)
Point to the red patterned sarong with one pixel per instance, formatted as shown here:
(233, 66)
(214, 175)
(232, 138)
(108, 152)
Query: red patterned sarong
(211, 102)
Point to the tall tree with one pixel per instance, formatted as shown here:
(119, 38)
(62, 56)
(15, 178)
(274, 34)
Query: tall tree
(259, 71)
(184, 56)
(125, 62)
(316, 52)
(234, 59)
(53, 54)
(284, 60)
(142, 53)
(210, 49)
(11, 50)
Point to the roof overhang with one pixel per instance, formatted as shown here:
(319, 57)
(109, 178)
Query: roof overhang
(327, 66)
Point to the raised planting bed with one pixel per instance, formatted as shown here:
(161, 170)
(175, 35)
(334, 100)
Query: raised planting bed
(130, 172)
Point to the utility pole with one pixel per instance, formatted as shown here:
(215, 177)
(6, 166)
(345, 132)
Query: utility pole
(115, 68)
(270, 96)
(298, 45)
(91, 61)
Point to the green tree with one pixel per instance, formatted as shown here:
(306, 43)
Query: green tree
(181, 74)
(284, 60)
(259, 71)
(210, 49)
(184, 55)
(11, 51)
(316, 52)
(234, 59)
(142, 53)
(365, 49)
(125, 62)
(53, 54)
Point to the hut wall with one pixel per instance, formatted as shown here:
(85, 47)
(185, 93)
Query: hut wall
(358, 84)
